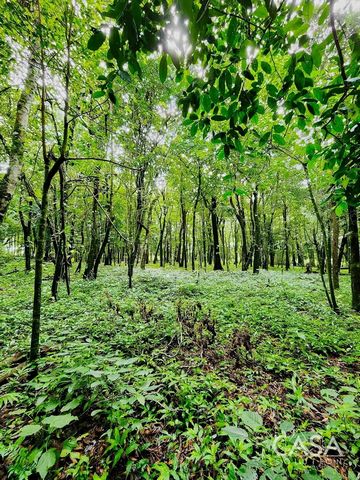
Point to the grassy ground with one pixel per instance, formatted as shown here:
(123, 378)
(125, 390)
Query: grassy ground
(215, 376)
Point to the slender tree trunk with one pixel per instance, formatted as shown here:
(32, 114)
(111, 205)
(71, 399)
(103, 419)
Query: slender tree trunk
(335, 248)
(102, 248)
(140, 178)
(94, 242)
(15, 152)
(61, 265)
(26, 227)
(286, 237)
(354, 259)
(240, 215)
(257, 234)
(327, 242)
(197, 198)
(215, 232)
(341, 252)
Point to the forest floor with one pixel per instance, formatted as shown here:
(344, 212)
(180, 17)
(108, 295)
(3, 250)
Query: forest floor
(218, 375)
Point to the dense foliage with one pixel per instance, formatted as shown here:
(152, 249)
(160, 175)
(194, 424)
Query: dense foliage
(179, 258)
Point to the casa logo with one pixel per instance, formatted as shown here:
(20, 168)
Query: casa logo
(308, 444)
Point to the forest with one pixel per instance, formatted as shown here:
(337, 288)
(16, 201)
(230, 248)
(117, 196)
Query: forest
(179, 239)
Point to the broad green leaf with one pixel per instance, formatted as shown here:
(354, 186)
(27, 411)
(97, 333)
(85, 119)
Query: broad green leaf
(206, 102)
(251, 419)
(261, 12)
(235, 433)
(341, 207)
(299, 79)
(279, 139)
(337, 124)
(114, 41)
(163, 68)
(28, 430)
(214, 94)
(266, 67)
(71, 405)
(316, 53)
(279, 128)
(98, 94)
(231, 33)
(331, 474)
(96, 40)
(45, 462)
(286, 426)
(59, 421)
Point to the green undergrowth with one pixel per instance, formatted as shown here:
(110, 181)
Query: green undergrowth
(214, 375)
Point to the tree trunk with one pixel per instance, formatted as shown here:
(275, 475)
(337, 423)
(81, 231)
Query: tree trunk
(335, 248)
(257, 235)
(215, 232)
(94, 242)
(286, 238)
(26, 227)
(240, 215)
(133, 249)
(16, 150)
(197, 197)
(354, 259)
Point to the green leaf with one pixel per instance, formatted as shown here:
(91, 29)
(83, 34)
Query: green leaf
(45, 462)
(261, 12)
(301, 123)
(186, 8)
(299, 79)
(206, 102)
(251, 419)
(264, 139)
(112, 98)
(341, 207)
(266, 67)
(279, 139)
(163, 68)
(114, 41)
(71, 405)
(337, 124)
(316, 53)
(279, 128)
(231, 32)
(96, 40)
(194, 129)
(310, 150)
(286, 426)
(218, 118)
(308, 9)
(98, 94)
(214, 94)
(234, 433)
(28, 430)
(331, 474)
(59, 421)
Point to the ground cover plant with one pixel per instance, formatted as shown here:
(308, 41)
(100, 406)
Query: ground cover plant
(133, 383)
(179, 239)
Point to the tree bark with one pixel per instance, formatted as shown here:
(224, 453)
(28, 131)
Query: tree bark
(26, 227)
(354, 259)
(215, 232)
(197, 197)
(15, 152)
(240, 215)
(286, 237)
(257, 234)
(94, 243)
(335, 248)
